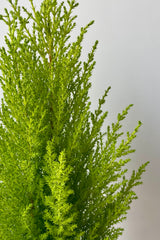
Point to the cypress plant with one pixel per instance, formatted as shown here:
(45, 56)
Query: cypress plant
(61, 177)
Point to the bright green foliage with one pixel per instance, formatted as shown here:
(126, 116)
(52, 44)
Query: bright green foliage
(61, 177)
(60, 226)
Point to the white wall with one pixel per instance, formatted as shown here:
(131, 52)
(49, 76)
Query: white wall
(128, 59)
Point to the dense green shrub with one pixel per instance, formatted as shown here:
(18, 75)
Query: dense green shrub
(61, 176)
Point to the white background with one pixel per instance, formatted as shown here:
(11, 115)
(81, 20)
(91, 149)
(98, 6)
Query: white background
(128, 60)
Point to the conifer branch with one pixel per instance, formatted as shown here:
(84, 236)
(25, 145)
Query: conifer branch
(61, 176)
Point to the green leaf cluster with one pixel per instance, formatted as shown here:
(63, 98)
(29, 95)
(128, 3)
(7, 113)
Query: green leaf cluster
(61, 177)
